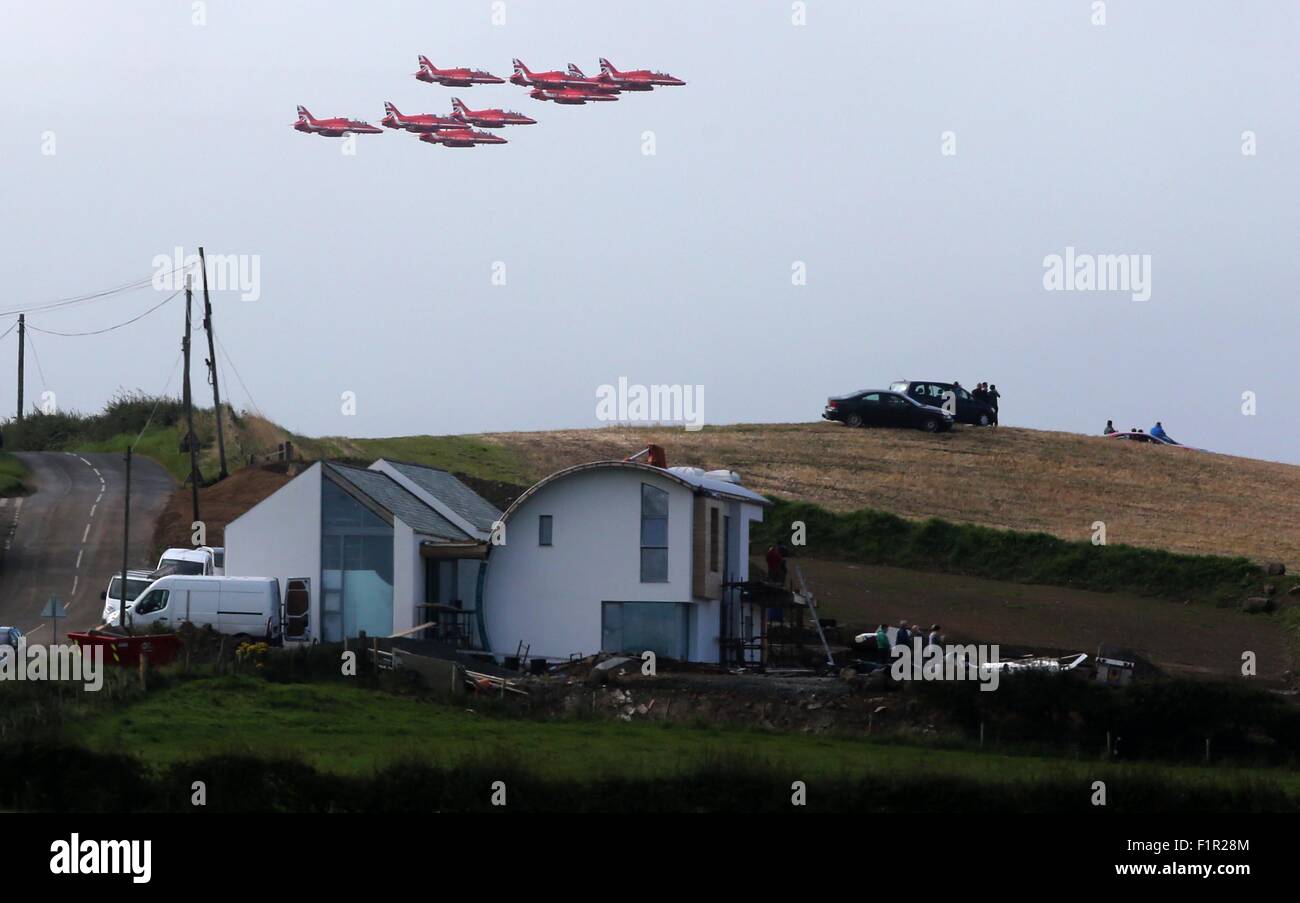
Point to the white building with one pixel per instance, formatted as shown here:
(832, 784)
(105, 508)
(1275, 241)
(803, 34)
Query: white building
(613, 556)
(379, 549)
(624, 557)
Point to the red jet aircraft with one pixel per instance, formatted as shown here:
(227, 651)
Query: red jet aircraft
(488, 119)
(569, 95)
(455, 78)
(555, 79)
(625, 80)
(608, 82)
(332, 128)
(420, 122)
(462, 137)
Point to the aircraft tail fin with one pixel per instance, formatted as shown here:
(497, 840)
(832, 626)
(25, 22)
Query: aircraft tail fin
(520, 68)
(304, 115)
(575, 71)
(425, 64)
(391, 110)
(459, 105)
(607, 67)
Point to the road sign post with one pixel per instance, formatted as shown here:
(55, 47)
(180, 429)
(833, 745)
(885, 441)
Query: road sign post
(54, 609)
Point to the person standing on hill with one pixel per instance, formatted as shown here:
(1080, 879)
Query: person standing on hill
(1110, 428)
(882, 640)
(991, 396)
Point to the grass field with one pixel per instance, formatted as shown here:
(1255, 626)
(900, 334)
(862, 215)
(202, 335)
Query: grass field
(1186, 639)
(12, 475)
(1031, 480)
(352, 730)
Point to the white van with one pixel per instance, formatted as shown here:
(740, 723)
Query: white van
(198, 561)
(239, 606)
(136, 583)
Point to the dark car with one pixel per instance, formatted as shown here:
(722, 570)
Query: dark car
(879, 407)
(967, 408)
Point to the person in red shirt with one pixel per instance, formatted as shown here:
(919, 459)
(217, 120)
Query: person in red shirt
(776, 564)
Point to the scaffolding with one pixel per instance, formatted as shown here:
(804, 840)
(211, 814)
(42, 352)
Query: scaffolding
(764, 623)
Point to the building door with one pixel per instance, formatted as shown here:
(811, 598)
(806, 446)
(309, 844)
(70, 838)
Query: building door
(297, 609)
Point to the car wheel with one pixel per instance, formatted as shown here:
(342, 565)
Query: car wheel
(854, 420)
(985, 420)
(930, 425)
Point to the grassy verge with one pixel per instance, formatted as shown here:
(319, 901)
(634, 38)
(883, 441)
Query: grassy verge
(13, 475)
(161, 444)
(875, 537)
(347, 729)
(457, 454)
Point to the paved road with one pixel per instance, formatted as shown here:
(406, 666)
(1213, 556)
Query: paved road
(66, 538)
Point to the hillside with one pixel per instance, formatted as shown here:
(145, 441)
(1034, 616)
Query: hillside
(1019, 479)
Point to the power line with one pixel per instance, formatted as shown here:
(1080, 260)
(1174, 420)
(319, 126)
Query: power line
(235, 370)
(107, 328)
(60, 303)
(159, 400)
(39, 369)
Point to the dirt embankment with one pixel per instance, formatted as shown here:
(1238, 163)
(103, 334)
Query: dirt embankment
(219, 504)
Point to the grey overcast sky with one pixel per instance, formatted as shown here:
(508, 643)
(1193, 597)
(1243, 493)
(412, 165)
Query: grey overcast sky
(819, 143)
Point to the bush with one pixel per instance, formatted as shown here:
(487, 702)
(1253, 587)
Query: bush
(874, 537)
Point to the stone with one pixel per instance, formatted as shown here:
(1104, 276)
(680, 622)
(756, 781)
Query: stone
(1275, 569)
(1257, 604)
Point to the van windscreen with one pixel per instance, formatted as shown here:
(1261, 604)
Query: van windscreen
(191, 568)
(133, 588)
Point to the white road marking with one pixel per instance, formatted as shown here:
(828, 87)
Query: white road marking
(92, 511)
(75, 578)
(85, 534)
(77, 566)
(13, 525)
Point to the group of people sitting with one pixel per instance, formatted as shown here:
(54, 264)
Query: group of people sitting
(1157, 432)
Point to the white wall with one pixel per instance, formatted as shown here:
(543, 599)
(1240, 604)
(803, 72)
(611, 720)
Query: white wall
(280, 537)
(408, 576)
(550, 596)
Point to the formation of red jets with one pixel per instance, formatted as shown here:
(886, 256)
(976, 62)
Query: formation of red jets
(463, 127)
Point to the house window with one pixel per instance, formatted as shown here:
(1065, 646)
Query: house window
(356, 568)
(654, 534)
(544, 530)
(661, 627)
(713, 540)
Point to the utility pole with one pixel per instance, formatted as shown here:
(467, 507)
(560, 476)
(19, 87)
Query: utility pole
(191, 439)
(22, 345)
(212, 366)
(126, 543)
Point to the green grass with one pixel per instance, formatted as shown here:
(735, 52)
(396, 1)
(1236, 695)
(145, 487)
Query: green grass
(13, 475)
(162, 444)
(875, 537)
(458, 454)
(344, 729)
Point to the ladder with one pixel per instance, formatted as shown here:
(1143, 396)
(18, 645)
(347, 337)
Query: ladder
(812, 608)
